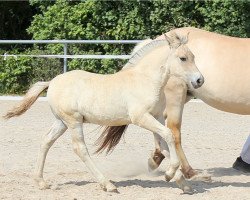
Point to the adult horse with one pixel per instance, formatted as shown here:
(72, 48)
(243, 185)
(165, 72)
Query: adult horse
(225, 64)
(135, 95)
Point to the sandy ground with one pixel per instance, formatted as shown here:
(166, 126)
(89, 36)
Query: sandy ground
(211, 139)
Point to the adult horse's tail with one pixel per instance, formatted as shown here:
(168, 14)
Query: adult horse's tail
(30, 97)
(110, 137)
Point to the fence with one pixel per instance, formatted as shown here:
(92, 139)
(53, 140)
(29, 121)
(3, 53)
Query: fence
(65, 43)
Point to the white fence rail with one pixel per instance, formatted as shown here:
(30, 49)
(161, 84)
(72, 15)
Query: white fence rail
(65, 43)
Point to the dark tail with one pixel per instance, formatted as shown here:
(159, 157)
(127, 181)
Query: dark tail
(109, 138)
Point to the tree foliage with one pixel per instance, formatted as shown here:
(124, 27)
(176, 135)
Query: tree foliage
(116, 20)
(15, 18)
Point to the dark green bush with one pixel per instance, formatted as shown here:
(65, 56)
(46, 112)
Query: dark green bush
(14, 75)
(18, 73)
(88, 20)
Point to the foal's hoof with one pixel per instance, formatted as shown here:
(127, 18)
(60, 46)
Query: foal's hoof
(41, 184)
(185, 186)
(152, 165)
(109, 187)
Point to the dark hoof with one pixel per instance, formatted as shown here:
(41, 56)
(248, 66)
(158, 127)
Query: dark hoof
(167, 178)
(189, 173)
(152, 165)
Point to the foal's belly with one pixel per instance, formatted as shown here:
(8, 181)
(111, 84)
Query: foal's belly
(105, 113)
(107, 119)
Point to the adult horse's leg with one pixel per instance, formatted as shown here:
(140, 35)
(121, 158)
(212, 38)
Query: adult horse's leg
(57, 129)
(81, 150)
(174, 110)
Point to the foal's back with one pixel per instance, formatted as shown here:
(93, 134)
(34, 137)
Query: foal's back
(83, 93)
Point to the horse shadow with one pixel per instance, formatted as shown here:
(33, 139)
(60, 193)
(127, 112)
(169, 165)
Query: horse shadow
(221, 171)
(198, 185)
(76, 183)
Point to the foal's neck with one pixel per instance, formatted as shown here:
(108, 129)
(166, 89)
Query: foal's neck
(154, 65)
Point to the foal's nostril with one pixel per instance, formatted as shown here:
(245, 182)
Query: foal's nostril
(200, 81)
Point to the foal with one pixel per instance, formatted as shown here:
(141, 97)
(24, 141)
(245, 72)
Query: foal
(135, 95)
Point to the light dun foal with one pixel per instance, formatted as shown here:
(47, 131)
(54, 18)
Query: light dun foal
(131, 96)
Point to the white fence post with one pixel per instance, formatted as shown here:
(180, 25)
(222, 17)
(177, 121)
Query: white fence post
(65, 59)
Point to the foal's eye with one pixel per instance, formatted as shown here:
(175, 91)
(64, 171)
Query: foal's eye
(183, 59)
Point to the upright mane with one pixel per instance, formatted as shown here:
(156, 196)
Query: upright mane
(147, 45)
(140, 53)
(140, 45)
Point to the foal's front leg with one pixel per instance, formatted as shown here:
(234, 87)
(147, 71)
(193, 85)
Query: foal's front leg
(148, 122)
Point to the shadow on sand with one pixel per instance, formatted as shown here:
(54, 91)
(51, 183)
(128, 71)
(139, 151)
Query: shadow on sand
(198, 186)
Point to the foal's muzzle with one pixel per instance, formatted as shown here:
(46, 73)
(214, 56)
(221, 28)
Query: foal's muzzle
(197, 81)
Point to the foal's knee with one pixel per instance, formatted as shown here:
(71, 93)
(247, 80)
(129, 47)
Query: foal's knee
(80, 150)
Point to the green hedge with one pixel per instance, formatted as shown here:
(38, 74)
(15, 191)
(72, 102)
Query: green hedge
(90, 19)
(18, 73)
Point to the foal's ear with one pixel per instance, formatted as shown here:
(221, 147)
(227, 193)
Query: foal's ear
(185, 40)
(168, 39)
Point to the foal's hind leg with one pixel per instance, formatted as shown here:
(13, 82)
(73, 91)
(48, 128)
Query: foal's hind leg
(81, 150)
(57, 129)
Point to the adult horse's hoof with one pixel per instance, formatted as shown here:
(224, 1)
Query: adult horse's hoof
(189, 172)
(196, 175)
(201, 177)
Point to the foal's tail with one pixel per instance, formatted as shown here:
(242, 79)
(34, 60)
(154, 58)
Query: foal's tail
(110, 137)
(30, 97)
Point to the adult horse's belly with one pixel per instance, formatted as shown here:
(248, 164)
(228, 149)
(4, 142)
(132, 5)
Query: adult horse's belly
(226, 70)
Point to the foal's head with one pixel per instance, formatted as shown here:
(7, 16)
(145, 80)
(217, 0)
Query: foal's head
(181, 61)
